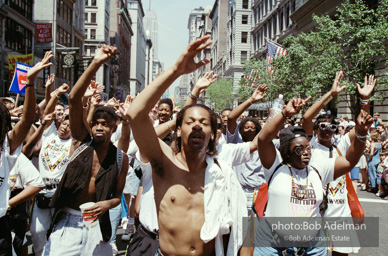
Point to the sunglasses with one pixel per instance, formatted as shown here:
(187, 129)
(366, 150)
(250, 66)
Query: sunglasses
(332, 127)
(299, 150)
(219, 126)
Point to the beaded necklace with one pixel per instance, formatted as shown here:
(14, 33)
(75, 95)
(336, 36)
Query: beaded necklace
(293, 183)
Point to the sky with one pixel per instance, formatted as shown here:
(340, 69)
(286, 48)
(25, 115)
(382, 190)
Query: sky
(173, 16)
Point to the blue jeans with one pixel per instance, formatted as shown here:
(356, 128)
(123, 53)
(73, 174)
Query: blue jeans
(372, 166)
(70, 237)
(115, 217)
(271, 251)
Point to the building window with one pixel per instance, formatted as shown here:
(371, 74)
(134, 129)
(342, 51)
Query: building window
(24, 7)
(86, 17)
(245, 4)
(244, 19)
(244, 37)
(94, 3)
(92, 34)
(86, 2)
(244, 55)
(93, 17)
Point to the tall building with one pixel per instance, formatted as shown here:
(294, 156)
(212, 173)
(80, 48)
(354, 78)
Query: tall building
(17, 36)
(97, 25)
(120, 36)
(138, 48)
(219, 18)
(196, 27)
(67, 24)
(238, 39)
(151, 27)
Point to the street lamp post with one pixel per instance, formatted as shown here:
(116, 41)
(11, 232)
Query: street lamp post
(149, 46)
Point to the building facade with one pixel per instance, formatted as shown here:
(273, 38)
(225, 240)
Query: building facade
(120, 36)
(238, 40)
(138, 48)
(17, 36)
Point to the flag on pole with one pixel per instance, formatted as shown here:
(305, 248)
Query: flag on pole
(273, 51)
(252, 78)
(18, 84)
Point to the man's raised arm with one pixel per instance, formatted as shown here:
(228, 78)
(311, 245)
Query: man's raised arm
(21, 129)
(142, 129)
(77, 125)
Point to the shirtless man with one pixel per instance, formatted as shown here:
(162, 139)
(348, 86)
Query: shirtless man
(96, 171)
(179, 177)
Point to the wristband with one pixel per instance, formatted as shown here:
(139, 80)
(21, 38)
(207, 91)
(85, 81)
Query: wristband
(328, 100)
(250, 102)
(191, 95)
(86, 106)
(364, 102)
(56, 95)
(284, 115)
(29, 85)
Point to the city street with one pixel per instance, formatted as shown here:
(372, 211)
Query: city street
(372, 205)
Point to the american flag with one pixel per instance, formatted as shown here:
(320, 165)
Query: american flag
(272, 52)
(252, 78)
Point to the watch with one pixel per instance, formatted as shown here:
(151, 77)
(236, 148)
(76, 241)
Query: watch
(29, 85)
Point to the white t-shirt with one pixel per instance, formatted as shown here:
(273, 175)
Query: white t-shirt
(7, 162)
(24, 174)
(337, 197)
(53, 156)
(250, 174)
(148, 216)
(282, 202)
(234, 154)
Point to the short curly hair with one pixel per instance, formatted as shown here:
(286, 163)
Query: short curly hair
(211, 148)
(244, 121)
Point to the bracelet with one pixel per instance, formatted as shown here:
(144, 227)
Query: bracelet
(29, 85)
(328, 100)
(191, 95)
(361, 136)
(364, 102)
(284, 115)
(86, 106)
(56, 95)
(250, 102)
(363, 141)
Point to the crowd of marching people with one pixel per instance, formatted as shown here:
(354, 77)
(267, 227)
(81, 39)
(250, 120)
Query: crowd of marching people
(184, 178)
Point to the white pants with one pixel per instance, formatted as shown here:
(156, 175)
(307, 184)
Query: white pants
(40, 223)
(71, 237)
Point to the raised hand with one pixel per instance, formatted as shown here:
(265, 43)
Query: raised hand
(91, 90)
(100, 87)
(259, 93)
(47, 118)
(113, 102)
(185, 63)
(125, 106)
(34, 71)
(369, 85)
(50, 80)
(95, 99)
(363, 123)
(63, 88)
(294, 106)
(104, 53)
(336, 87)
(204, 82)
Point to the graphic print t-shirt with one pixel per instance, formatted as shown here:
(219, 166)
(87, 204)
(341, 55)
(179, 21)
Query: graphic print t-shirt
(285, 200)
(53, 156)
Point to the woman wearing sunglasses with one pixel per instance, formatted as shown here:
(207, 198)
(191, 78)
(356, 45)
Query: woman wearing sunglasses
(325, 128)
(296, 188)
